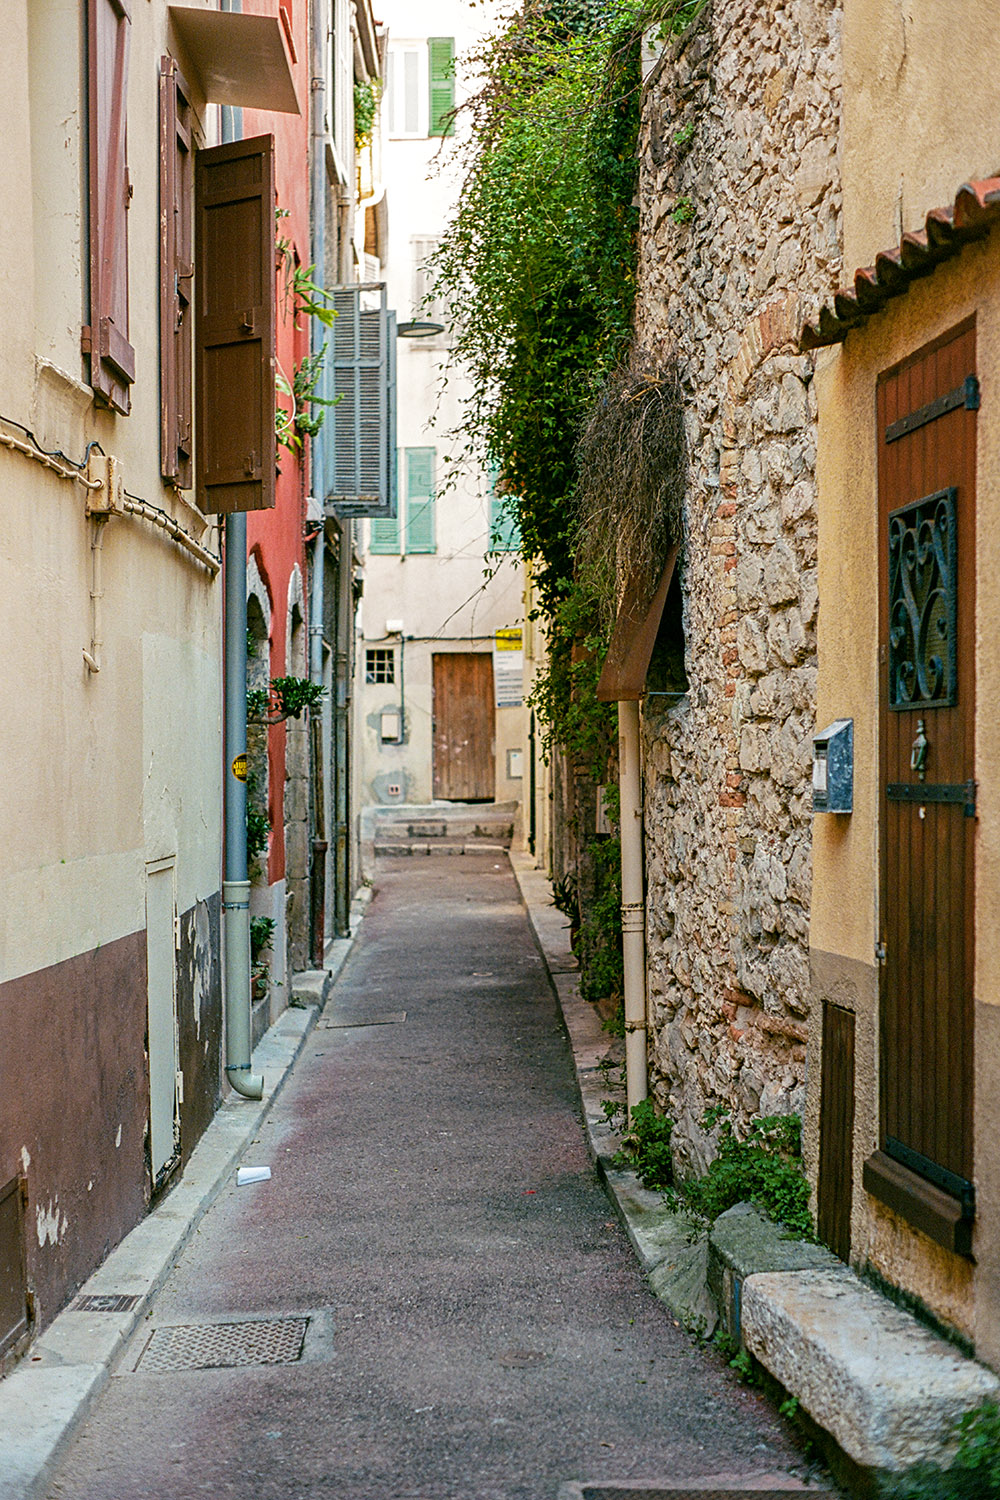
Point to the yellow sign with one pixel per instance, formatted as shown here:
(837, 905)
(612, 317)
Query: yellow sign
(508, 640)
(240, 768)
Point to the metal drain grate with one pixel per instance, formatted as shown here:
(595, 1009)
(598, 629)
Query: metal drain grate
(109, 1302)
(215, 1346)
(345, 1023)
(747, 1489)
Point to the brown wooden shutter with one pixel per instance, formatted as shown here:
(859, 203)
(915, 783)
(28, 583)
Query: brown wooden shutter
(234, 325)
(105, 339)
(176, 271)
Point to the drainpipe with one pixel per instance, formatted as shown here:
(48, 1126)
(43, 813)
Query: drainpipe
(236, 885)
(633, 904)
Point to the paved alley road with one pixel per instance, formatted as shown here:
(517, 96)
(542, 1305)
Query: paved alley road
(480, 1330)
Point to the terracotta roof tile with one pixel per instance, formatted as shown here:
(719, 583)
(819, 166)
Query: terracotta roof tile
(973, 214)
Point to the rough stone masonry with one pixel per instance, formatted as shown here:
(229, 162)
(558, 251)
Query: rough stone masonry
(740, 235)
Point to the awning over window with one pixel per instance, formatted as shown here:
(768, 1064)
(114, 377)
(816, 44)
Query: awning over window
(623, 676)
(236, 59)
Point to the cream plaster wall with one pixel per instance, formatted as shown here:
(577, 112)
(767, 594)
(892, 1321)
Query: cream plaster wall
(919, 115)
(102, 772)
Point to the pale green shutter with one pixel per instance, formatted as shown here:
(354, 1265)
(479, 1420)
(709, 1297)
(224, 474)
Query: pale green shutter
(420, 499)
(358, 440)
(505, 534)
(441, 59)
(384, 534)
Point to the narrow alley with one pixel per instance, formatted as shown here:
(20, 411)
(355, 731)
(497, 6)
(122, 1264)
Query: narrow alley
(478, 1325)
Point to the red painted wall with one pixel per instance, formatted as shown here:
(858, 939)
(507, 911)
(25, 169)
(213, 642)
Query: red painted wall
(276, 537)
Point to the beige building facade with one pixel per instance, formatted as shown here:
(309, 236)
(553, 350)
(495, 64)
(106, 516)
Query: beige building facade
(902, 1097)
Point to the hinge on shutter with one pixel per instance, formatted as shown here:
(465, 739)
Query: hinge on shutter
(86, 339)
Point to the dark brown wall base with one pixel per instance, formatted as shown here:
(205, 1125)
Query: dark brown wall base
(73, 1110)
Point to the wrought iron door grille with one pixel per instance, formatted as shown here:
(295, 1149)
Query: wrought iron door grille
(923, 605)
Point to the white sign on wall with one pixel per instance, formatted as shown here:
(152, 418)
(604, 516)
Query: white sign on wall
(508, 669)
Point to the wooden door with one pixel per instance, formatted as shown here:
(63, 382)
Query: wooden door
(463, 727)
(927, 437)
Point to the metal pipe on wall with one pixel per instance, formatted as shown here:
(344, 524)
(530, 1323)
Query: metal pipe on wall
(633, 904)
(236, 882)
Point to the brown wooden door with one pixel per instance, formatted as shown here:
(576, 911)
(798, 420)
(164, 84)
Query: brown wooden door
(927, 432)
(463, 727)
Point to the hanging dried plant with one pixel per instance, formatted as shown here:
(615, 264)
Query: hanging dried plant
(631, 456)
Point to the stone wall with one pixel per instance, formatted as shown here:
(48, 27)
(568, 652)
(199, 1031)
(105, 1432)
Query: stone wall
(740, 236)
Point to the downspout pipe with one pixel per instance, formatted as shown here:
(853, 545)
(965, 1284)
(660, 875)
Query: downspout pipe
(236, 883)
(633, 904)
(317, 329)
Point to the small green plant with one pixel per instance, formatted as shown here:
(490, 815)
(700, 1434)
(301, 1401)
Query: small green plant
(764, 1168)
(306, 416)
(598, 942)
(287, 698)
(366, 97)
(975, 1470)
(685, 135)
(683, 211)
(310, 298)
(261, 938)
(258, 832)
(646, 1148)
(742, 1364)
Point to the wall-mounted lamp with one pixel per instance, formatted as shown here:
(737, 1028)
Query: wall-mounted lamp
(418, 328)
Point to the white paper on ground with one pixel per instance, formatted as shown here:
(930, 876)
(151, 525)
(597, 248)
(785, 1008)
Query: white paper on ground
(252, 1174)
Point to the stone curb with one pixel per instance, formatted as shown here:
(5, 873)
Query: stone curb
(882, 1389)
(46, 1396)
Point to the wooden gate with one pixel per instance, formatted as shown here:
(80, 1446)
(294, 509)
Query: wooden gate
(463, 727)
(927, 444)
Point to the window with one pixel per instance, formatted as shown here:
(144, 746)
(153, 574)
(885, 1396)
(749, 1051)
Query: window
(105, 338)
(420, 88)
(412, 530)
(426, 302)
(380, 664)
(505, 532)
(176, 270)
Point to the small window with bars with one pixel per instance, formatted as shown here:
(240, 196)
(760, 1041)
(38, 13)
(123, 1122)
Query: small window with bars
(380, 664)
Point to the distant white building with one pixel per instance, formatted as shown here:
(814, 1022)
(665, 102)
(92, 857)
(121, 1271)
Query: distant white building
(438, 693)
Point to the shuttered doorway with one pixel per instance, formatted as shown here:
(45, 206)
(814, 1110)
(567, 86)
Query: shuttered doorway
(927, 444)
(463, 727)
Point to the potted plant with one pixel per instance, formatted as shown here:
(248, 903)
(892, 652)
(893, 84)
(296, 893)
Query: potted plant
(261, 937)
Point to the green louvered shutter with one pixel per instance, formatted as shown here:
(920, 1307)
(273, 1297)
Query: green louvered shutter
(384, 535)
(420, 499)
(505, 533)
(441, 58)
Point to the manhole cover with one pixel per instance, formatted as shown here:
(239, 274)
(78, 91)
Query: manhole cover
(107, 1302)
(521, 1359)
(344, 1023)
(214, 1346)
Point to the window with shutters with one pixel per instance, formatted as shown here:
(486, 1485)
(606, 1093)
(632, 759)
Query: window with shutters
(418, 469)
(342, 75)
(441, 85)
(176, 275)
(235, 326)
(420, 88)
(359, 451)
(106, 336)
(426, 302)
(412, 531)
(505, 533)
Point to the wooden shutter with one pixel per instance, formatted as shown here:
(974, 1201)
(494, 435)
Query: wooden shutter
(384, 535)
(836, 1130)
(234, 326)
(441, 59)
(359, 446)
(420, 499)
(105, 338)
(176, 273)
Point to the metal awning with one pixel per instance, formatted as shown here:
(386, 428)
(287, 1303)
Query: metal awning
(623, 676)
(231, 58)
